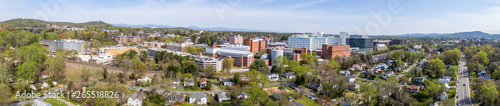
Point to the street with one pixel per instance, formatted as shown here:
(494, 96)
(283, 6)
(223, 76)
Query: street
(463, 92)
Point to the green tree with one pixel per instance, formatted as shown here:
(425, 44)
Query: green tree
(433, 89)
(453, 71)
(27, 70)
(488, 94)
(228, 64)
(210, 71)
(451, 57)
(257, 64)
(56, 66)
(437, 67)
(192, 69)
(139, 68)
(209, 85)
(5, 94)
(370, 92)
(237, 78)
(482, 57)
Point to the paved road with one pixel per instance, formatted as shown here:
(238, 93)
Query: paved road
(411, 67)
(463, 92)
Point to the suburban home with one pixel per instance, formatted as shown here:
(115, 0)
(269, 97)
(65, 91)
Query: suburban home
(353, 87)
(176, 82)
(382, 66)
(244, 79)
(390, 61)
(175, 98)
(443, 96)
(350, 79)
(136, 99)
(227, 82)
(45, 74)
(314, 86)
(203, 82)
(345, 73)
(387, 74)
(197, 98)
(273, 76)
(482, 73)
(144, 80)
(412, 88)
(276, 96)
(188, 82)
(445, 79)
(223, 96)
(419, 80)
(243, 95)
(289, 75)
(369, 71)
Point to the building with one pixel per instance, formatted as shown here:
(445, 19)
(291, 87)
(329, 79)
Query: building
(313, 41)
(331, 51)
(360, 41)
(153, 44)
(178, 46)
(380, 46)
(294, 53)
(413, 88)
(385, 42)
(241, 58)
(445, 79)
(235, 47)
(203, 82)
(175, 98)
(350, 79)
(136, 99)
(235, 39)
(203, 63)
(289, 75)
(176, 82)
(399, 42)
(275, 54)
(197, 98)
(188, 82)
(124, 39)
(278, 44)
(223, 96)
(65, 44)
(273, 76)
(227, 82)
(314, 86)
(152, 51)
(243, 95)
(144, 80)
(353, 87)
(256, 44)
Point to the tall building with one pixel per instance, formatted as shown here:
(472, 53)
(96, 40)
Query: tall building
(293, 53)
(313, 41)
(361, 42)
(256, 44)
(203, 63)
(275, 54)
(331, 51)
(65, 44)
(235, 39)
(241, 58)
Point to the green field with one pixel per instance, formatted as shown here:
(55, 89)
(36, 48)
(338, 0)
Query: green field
(55, 102)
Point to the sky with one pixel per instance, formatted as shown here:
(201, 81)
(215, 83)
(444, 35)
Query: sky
(371, 17)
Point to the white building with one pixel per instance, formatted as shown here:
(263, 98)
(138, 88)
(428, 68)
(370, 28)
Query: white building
(144, 80)
(136, 99)
(204, 63)
(314, 41)
(197, 98)
(273, 76)
(66, 44)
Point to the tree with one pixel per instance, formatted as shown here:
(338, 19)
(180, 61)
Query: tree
(237, 78)
(482, 57)
(209, 85)
(228, 64)
(279, 64)
(5, 94)
(256, 93)
(432, 89)
(86, 73)
(437, 67)
(27, 70)
(451, 57)
(104, 73)
(257, 64)
(495, 75)
(488, 94)
(56, 67)
(453, 71)
(192, 69)
(139, 68)
(4, 78)
(210, 71)
(143, 56)
(369, 93)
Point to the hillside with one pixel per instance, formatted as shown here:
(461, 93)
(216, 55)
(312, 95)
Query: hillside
(472, 34)
(35, 22)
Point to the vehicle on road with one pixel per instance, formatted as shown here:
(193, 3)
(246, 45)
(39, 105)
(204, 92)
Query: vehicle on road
(290, 98)
(458, 81)
(457, 96)
(464, 84)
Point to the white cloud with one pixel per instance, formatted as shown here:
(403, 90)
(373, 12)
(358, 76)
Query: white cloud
(308, 4)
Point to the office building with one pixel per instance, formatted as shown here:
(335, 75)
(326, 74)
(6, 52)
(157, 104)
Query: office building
(65, 44)
(256, 44)
(241, 58)
(153, 44)
(399, 42)
(380, 46)
(331, 51)
(314, 41)
(235, 39)
(178, 46)
(360, 41)
(124, 39)
(292, 53)
(203, 63)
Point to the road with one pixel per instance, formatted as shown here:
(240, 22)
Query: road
(463, 92)
(411, 67)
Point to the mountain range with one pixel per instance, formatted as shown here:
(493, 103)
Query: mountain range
(193, 27)
(471, 34)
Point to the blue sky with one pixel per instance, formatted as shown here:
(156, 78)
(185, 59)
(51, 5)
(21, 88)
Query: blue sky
(372, 17)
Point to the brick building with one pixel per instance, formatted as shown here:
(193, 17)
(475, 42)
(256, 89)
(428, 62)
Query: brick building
(330, 51)
(178, 46)
(256, 44)
(235, 39)
(153, 44)
(241, 58)
(294, 53)
(125, 39)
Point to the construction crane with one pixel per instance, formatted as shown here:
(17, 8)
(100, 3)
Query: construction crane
(62, 35)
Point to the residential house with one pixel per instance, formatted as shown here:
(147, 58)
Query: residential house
(136, 99)
(175, 98)
(289, 75)
(419, 80)
(445, 79)
(197, 98)
(353, 87)
(203, 82)
(413, 89)
(482, 73)
(314, 86)
(188, 82)
(382, 66)
(244, 79)
(350, 79)
(223, 96)
(243, 95)
(324, 102)
(227, 82)
(144, 80)
(345, 73)
(276, 96)
(175, 83)
(387, 74)
(273, 76)
(443, 96)
(45, 74)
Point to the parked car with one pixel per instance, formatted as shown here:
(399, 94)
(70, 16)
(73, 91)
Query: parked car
(290, 98)
(464, 84)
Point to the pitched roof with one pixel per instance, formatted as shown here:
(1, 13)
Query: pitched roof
(137, 95)
(203, 80)
(197, 95)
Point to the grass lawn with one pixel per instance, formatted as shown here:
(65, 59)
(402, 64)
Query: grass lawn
(70, 101)
(193, 89)
(448, 102)
(55, 102)
(132, 91)
(306, 101)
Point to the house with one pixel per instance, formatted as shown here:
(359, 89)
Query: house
(136, 99)
(390, 61)
(382, 66)
(406, 79)
(243, 95)
(314, 86)
(412, 88)
(324, 102)
(45, 74)
(353, 87)
(350, 79)
(188, 82)
(419, 80)
(144, 80)
(345, 73)
(443, 96)
(203, 82)
(445, 79)
(276, 96)
(227, 82)
(244, 79)
(175, 83)
(369, 71)
(223, 96)
(482, 73)
(175, 98)
(197, 98)
(289, 75)
(273, 76)
(387, 74)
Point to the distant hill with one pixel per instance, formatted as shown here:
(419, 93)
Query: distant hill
(472, 34)
(19, 22)
(193, 27)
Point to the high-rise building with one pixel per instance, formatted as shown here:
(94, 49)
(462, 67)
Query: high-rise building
(313, 41)
(331, 51)
(65, 44)
(256, 44)
(235, 39)
(360, 42)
